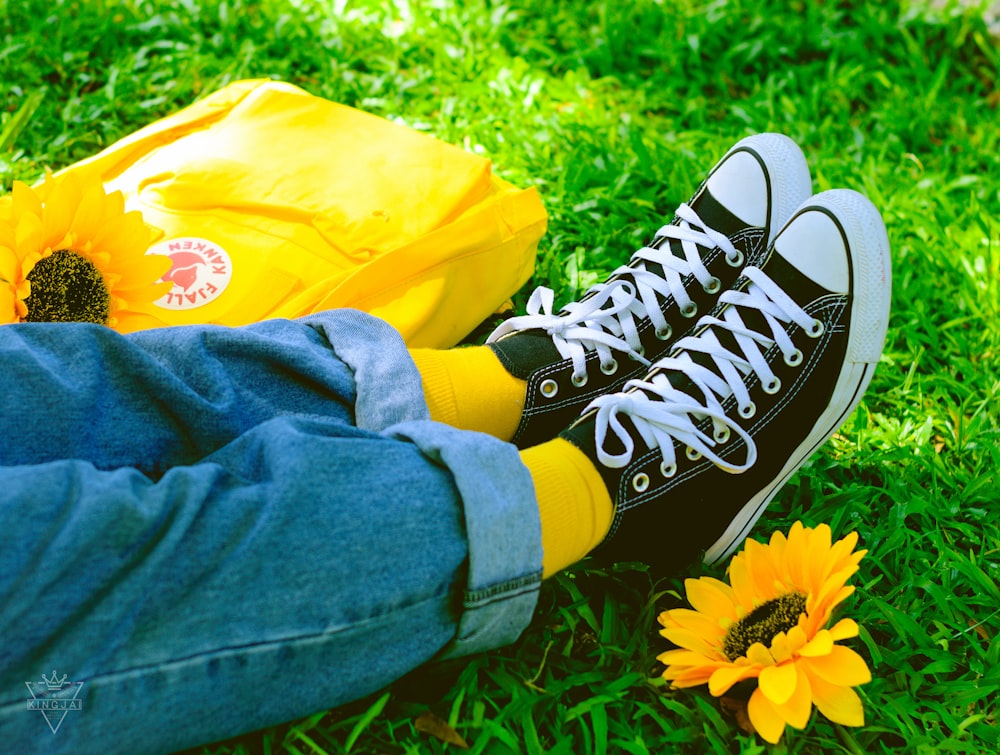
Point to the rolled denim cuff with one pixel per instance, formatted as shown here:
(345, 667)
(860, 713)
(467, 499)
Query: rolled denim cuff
(498, 495)
(503, 530)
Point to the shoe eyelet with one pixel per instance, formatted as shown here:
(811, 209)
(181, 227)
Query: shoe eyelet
(610, 368)
(794, 359)
(668, 470)
(746, 412)
(579, 380)
(640, 482)
(692, 454)
(713, 285)
(816, 329)
(772, 386)
(641, 351)
(549, 388)
(664, 333)
(721, 435)
(736, 261)
(689, 310)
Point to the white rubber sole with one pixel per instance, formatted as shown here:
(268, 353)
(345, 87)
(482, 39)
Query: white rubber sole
(872, 287)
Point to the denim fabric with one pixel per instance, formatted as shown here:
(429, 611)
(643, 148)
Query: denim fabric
(212, 530)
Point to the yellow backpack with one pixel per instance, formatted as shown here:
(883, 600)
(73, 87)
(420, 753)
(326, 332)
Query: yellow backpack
(276, 203)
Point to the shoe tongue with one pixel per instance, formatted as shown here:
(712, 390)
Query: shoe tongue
(712, 213)
(525, 352)
(715, 215)
(800, 286)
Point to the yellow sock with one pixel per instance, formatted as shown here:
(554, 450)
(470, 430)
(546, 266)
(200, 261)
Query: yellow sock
(468, 388)
(573, 502)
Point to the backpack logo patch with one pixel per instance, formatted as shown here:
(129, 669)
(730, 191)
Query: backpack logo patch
(200, 272)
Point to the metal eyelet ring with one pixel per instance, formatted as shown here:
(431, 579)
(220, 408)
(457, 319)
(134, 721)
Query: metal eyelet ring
(794, 359)
(578, 380)
(610, 368)
(664, 333)
(689, 310)
(668, 470)
(746, 412)
(713, 285)
(772, 386)
(736, 261)
(641, 351)
(692, 454)
(721, 435)
(640, 482)
(815, 330)
(549, 388)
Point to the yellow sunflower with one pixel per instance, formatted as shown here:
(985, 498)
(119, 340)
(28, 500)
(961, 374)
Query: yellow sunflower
(70, 253)
(770, 625)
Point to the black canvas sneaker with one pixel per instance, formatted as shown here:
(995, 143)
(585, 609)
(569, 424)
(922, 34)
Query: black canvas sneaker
(694, 451)
(593, 346)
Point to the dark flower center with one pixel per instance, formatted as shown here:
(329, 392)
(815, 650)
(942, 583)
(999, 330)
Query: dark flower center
(763, 623)
(67, 287)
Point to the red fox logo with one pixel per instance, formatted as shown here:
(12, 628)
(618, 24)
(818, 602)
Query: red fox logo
(184, 270)
(200, 271)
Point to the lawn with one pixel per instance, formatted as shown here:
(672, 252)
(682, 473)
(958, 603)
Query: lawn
(614, 110)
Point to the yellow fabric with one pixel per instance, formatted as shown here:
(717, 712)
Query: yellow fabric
(298, 204)
(469, 389)
(573, 503)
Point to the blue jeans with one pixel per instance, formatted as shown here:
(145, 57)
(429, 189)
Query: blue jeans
(204, 531)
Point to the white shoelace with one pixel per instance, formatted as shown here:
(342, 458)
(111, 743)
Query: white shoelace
(662, 414)
(608, 318)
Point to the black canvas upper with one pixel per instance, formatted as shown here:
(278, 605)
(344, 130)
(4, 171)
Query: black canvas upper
(674, 520)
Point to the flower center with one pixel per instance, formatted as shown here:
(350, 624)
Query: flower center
(67, 287)
(763, 623)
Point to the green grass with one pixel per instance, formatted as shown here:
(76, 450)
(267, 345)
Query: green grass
(614, 110)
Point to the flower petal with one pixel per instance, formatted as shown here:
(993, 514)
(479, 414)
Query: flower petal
(711, 597)
(765, 717)
(725, 677)
(798, 708)
(778, 682)
(28, 238)
(760, 655)
(691, 641)
(844, 629)
(760, 564)
(817, 564)
(61, 204)
(742, 582)
(130, 321)
(682, 657)
(90, 212)
(138, 272)
(796, 557)
(10, 269)
(26, 201)
(8, 305)
(841, 666)
(781, 649)
(840, 704)
(819, 645)
(797, 637)
(686, 669)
